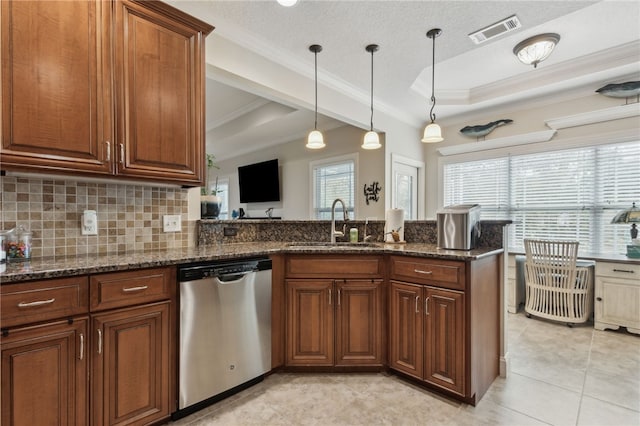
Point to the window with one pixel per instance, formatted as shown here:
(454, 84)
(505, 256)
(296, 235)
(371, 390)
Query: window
(407, 180)
(331, 179)
(223, 193)
(570, 194)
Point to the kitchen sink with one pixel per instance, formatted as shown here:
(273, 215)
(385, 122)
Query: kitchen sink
(327, 245)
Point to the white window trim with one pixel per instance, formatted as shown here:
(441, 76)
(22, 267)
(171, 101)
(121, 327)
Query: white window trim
(332, 160)
(399, 159)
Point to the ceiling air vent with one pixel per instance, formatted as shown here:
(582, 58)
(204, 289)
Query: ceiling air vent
(509, 24)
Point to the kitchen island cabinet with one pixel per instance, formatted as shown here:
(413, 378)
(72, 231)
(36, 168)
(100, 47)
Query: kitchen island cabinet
(334, 311)
(444, 323)
(115, 89)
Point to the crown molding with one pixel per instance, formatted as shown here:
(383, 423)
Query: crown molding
(526, 138)
(592, 117)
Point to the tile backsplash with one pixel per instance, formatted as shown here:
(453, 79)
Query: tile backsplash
(129, 215)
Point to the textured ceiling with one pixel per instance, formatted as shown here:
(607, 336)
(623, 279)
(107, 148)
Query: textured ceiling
(469, 77)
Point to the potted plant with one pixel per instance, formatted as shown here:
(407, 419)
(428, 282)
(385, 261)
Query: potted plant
(210, 202)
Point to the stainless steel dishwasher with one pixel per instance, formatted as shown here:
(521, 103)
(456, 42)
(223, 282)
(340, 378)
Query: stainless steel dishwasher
(225, 329)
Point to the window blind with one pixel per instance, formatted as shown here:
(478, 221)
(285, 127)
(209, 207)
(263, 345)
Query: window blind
(331, 181)
(567, 195)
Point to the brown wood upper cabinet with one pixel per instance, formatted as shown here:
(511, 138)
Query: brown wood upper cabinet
(114, 88)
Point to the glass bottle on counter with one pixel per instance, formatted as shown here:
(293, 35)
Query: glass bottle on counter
(18, 245)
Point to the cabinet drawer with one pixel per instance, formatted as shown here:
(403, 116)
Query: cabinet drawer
(131, 288)
(35, 301)
(443, 273)
(333, 266)
(619, 270)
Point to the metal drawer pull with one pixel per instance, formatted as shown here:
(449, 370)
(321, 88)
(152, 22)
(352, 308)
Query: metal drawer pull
(329, 296)
(36, 303)
(623, 270)
(130, 289)
(99, 341)
(81, 346)
(426, 306)
(417, 298)
(108, 151)
(418, 271)
(338, 297)
(122, 154)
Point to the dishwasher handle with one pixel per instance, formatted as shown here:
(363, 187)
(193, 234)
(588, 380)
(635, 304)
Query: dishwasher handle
(233, 277)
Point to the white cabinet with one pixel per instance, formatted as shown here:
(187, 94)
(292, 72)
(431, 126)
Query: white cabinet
(617, 296)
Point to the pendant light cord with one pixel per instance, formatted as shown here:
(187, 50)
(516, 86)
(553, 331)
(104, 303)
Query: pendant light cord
(315, 54)
(372, 50)
(433, 78)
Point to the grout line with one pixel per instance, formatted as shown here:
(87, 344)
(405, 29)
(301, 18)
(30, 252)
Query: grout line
(584, 380)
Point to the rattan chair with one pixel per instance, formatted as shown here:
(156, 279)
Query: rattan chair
(556, 288)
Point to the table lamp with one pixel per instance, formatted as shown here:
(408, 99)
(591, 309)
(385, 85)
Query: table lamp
(631, 216)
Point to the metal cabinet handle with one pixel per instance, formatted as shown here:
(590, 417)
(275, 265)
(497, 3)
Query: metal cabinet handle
(130, 289)
(627, 271)
(99, 341)
(122, 154)
(36, 303)
(81, 346)
(599, 299)
(329, 296)
(418, 271)
(339, 291)
(426, 306)
(417, 299)
(108, 151)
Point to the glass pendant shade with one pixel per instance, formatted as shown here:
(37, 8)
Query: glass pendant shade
(432, 134)
(315, 140)
(371, 140)
(287, 3)
(536, 49)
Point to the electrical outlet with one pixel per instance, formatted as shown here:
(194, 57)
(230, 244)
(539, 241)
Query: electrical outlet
(171, 223)
(89, 224)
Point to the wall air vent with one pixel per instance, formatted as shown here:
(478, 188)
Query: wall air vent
(494, 30)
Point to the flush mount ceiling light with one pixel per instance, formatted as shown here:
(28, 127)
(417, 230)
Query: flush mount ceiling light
(433, 133)
(371, 138)
(287, 3)
(315, 139)
(536, 49)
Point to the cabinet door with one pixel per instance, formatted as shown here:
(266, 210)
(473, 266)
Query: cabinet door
(44, 375)
(444, 334)
(310, 322)
(159, 77)
(359, 322)
(131, 366)
(56, 89)
(406, 328)
(617, 304)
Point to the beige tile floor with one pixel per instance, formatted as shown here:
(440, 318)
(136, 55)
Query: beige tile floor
(559, 376)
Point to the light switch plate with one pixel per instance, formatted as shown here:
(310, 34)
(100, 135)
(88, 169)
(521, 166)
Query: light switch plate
(171, 223)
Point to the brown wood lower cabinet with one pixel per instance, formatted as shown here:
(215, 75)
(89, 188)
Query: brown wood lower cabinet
(334, 322)
(335, 311)
(44, 374)
(427, 334)
(69, 361)
(444, 323)
(131, 365)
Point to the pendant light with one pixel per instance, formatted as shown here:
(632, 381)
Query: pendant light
(433, 133)
(315, 139)
(371, 138)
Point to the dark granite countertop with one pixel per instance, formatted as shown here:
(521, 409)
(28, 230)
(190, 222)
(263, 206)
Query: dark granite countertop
(53, 267)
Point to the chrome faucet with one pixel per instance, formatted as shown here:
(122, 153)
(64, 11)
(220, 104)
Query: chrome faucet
(334, 232)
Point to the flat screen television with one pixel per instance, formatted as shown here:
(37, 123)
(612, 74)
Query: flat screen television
(259, 182)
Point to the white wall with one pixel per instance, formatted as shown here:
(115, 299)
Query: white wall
(294, 161)
(526, 120)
